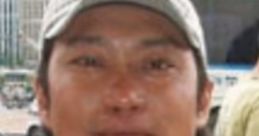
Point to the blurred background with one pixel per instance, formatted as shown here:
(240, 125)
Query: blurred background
(231, 29)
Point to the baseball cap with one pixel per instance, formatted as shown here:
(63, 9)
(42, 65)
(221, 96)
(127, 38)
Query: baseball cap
(60, 13)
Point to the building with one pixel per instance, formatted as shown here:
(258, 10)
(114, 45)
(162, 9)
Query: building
(223, 21)
(30, 22)
(9, 37)
(20, 22)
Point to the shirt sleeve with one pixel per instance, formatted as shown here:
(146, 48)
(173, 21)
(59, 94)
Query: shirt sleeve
(253, 121)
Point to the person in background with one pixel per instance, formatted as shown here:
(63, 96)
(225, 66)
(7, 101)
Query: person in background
(244, 47)
(239, 115)
(122, 68)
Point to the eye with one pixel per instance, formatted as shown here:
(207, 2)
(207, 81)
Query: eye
(88, 61)
(159, 64)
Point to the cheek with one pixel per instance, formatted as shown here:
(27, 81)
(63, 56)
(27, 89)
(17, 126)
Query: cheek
(73, 100)
(175, 103)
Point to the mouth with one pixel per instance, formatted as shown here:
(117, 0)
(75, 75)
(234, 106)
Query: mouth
(124, 127)
(123, 134)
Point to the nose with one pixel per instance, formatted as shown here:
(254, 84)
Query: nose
(125, 98)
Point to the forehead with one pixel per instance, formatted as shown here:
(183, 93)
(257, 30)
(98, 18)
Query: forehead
(123, 17)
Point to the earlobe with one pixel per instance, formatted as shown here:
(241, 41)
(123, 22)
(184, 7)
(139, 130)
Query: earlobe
(204, 104)
(42, 103)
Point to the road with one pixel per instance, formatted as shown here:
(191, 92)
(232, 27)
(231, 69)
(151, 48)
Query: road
(12, 135)
(14, 122)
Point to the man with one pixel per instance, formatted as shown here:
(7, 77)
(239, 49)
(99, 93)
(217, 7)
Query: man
(239, 115)
(122, 68)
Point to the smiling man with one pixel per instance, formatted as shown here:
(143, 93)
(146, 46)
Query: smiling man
(122, 68)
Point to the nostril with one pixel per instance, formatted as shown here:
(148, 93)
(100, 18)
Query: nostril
(125, 103)
(134, 108)
(119, 110)
(116, 109)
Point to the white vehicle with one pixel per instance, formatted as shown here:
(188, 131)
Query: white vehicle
(16, 89)
(16, 75)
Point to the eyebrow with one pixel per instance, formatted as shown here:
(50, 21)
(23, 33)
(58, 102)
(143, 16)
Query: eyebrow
(151, 42)
(161, 42)
(88, 40)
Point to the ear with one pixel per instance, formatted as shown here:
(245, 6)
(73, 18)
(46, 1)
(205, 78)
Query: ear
(204, 104)
(43, 103)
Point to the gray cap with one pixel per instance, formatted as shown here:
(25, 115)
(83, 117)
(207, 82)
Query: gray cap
(59, 13)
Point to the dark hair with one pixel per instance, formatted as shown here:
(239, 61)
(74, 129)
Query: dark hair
(42, 74)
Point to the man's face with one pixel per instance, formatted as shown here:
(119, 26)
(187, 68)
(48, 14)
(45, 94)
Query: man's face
(121, 70)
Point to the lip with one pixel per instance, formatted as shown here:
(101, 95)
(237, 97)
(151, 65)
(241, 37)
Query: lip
(127, 129)
(123, 134)
(123, 126)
